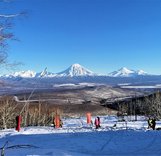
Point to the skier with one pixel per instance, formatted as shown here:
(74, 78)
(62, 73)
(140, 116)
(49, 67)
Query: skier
(149, 122)
(152, 123)
(61, 123)
(97, 122)
(54, 122)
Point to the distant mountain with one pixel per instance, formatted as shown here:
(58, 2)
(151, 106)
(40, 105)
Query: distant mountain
(76, 70)
(73, 71)
(45, 74)
(142, 72)
(77, 74)
(24, 74)
(125, 72)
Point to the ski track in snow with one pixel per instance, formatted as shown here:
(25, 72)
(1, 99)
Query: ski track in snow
(76, 138)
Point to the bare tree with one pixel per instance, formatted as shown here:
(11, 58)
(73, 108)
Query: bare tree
(156, 104)
(6, 34)
(7, 112)
(152, 105)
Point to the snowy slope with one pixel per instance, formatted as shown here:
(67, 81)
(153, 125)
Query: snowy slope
(25, 74)
(73, 70)
(76, 138)
(76, 70)
(141, 72)
(45, 75)
(125, 72)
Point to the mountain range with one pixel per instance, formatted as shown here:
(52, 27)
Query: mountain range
(125, 72)
(76, 70)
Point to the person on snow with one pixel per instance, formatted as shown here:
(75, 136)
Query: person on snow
(54, 123)
(149, 123)
(97, 122)
(61, 123)
(152, 123)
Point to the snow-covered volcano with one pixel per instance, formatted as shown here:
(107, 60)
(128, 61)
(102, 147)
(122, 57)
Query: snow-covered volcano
(125, 72)
(73, 70)
(76, 70)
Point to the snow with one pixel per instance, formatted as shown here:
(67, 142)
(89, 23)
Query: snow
(143, 87)
(125, 72)
(76, 138)
(76, 85)
(73, 70)
(45, 74)
(141, 72)
(25, 74)
(76, 70)
(124, 84)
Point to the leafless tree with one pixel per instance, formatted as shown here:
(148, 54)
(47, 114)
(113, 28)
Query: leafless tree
(151, 105)
(156, 104)
(7, 112)
(6, 34)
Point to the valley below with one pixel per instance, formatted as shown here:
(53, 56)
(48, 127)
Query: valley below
(75, 95)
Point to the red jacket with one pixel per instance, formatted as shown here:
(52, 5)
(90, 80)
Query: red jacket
(96, 122)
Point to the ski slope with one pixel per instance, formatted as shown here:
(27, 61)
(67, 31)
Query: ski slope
(76, 138)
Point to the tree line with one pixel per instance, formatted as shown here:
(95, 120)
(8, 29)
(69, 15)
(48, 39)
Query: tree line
(147, 105)
(32, 114)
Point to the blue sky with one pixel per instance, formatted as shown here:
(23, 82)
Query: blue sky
(102, 35)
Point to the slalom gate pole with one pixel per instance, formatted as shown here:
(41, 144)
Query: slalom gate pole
(18, 123)
(88, 118)
(57, 121)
